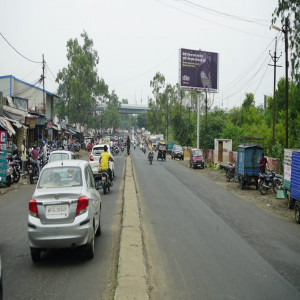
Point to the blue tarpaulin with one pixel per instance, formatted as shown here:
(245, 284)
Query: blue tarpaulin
(72, 131)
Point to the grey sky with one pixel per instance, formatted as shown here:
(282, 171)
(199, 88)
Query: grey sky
(137, 38)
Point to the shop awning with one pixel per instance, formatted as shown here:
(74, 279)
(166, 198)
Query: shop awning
(4, 123)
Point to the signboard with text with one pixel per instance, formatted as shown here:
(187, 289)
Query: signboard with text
(3, 155)
(198, 70)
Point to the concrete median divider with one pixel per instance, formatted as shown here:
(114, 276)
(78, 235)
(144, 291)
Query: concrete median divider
(132, 274)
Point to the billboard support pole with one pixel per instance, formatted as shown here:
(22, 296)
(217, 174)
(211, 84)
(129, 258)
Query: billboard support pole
(198, 120)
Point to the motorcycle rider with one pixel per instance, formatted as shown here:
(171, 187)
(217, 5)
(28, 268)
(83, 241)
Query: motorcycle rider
(104, 157)
(35, 156)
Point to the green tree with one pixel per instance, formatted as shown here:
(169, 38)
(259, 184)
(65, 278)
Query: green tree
(291, 9)
(111, 117)
(142, 120)
(79, 82)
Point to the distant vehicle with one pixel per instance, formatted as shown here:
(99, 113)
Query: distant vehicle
(95, 156)
(170, 147)
(177, 152)
(89, 147)
(65, 209)
(196, 159)
(61, 155)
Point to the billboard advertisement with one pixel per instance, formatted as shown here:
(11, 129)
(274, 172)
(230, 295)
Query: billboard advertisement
(198, 69)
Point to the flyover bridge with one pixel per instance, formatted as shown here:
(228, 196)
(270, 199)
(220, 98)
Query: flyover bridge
(126, 109)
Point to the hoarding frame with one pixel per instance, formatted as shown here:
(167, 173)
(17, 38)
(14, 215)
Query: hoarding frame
(199, 62)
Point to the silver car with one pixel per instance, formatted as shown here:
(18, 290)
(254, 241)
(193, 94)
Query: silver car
(65, 209)
(61, 155)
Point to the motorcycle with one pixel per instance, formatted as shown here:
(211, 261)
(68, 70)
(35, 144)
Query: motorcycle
(104, 181)
(14, 163)
(9, 172)
(150, 156)
(266, 181)
(144, 150)
(122, 148)
(128, 150)
(117, 149)
(32, 169)
(134, 147)
(230, 172)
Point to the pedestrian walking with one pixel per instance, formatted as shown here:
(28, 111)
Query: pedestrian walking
(23, 157)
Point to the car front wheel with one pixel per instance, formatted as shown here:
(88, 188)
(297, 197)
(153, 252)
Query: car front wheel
(35, 254)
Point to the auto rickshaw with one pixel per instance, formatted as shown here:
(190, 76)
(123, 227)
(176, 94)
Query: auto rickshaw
(162, 150)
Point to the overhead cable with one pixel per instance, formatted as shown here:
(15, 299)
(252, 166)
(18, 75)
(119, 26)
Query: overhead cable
(36, 62)
(227, 15)
(210, 21)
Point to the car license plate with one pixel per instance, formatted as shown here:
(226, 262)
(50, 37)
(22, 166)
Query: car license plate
(57, 211)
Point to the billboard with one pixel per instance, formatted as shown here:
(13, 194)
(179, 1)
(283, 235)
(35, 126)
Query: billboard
(198, 70)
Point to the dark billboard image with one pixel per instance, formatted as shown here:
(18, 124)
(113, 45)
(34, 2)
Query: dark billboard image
(198, 69)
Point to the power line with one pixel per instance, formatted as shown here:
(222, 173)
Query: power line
(223, 14)
(210, 21)
(262, 77)
(36, 62)
(50, 71)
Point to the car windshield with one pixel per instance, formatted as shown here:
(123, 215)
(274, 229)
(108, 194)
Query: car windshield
(58, 156)
(60, 177)
(98, 150)
(197, 153)
(179, 148)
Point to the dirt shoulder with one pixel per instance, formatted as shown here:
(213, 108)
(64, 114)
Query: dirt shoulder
(268, 202)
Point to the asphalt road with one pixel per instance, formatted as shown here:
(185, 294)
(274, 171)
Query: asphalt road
(202, 242)
(60, 274)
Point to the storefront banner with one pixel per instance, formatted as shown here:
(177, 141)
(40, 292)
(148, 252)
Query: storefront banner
(3, 155)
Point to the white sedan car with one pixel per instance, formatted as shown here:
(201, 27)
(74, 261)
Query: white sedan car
(61, 155)
(95, 156)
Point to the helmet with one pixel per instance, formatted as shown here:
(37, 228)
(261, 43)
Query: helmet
(44, 143)
(105, 148)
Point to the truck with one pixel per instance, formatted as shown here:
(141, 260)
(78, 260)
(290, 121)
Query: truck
(291, 180)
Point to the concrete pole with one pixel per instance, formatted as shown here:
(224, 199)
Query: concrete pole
(198, 120)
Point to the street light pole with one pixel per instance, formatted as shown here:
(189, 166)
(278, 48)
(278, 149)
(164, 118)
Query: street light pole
(285, 31)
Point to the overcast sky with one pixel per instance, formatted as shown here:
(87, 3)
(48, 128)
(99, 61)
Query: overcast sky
(137, 38)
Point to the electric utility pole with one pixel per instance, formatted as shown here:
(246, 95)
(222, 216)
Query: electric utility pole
(44, 102)
(275, 58)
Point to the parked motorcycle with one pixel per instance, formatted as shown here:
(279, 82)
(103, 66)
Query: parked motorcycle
(266, 181)
(230, 172)
(9, 171)
(14, 163)
(150, 156)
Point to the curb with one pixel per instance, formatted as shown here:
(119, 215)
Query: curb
(132, 276)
